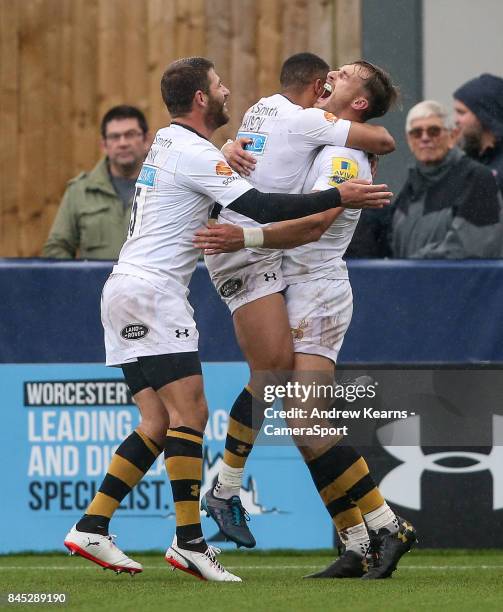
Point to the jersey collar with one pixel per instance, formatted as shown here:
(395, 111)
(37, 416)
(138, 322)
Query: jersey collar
(287, 98)
(187, 127)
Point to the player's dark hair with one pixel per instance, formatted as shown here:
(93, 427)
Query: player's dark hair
(301, 69)
(181, 81)
(123, 112)
(382, 94)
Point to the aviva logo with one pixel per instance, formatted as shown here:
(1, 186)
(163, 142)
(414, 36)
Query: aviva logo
(343, 169)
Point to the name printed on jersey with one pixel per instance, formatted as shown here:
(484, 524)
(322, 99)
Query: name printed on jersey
(256, 116)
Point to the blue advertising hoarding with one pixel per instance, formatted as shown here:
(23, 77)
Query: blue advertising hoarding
(65, 422)
(65, 413)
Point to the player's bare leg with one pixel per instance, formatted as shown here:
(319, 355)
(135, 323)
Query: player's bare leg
(154, 418)
(89, 538)
(264, 335)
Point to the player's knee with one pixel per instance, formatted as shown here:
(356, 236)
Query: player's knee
(203, 413)
(155, 427)
(278, 361)
(199, 412)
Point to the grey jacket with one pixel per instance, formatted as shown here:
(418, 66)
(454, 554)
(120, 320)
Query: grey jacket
(452, 212)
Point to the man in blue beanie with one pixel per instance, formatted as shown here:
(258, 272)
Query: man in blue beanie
(478, 109)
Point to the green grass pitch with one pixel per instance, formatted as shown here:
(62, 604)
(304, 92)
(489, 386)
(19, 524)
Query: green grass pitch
(272, 581)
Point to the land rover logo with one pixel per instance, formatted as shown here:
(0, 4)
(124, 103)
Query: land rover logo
(230, 287)
(134, 331)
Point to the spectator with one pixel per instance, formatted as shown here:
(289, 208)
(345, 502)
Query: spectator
(93, 217)
(478, 108)
(448, 207)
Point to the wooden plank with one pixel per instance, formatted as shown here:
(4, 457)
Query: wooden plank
(218, 49)
(295, 34)
(190, 28)
(320, 26)
(135, 54)
(34, 23)
(161, 50)
(112, 40)
(9, 123)
(269, 46)
(347, 31)
(84, 86)
(243, 62)
(57, 150)
(218, 36)
(64, 76)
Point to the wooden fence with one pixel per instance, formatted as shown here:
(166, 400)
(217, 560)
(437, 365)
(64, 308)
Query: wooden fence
(63, 63)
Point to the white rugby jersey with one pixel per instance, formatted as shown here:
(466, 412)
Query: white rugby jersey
(323, 259)
(182, 177)
(285, 138)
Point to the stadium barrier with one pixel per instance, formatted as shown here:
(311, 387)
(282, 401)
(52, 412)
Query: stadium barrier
(65, 413)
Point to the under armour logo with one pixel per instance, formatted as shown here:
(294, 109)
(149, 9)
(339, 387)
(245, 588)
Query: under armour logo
(182, 332)
(403, 484)
(194, 490)
(242, 449)
(270, 276)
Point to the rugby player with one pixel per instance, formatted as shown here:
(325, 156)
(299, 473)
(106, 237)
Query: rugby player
(319, 304)
(148, 323)
(285, 134)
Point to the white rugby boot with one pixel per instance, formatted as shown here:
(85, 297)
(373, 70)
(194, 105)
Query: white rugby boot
(101, 550)
(201, 565)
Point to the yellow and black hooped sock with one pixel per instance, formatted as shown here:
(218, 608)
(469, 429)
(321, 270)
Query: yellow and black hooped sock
(343, 511)
(342, 477)
(245, 421)
(130, 463)
(183, 454)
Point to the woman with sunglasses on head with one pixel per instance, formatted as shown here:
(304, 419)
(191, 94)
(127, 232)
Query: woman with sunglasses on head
(448, 207)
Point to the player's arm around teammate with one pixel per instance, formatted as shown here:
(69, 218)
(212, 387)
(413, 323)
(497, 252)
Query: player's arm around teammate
(362, 91)
(149, 328)
(285, 132)
(228, 238)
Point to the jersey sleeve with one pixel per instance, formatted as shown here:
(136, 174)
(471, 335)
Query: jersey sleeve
(317, 127)
(335, 165)
(208, 172)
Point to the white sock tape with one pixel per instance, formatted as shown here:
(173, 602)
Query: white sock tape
(253, 236)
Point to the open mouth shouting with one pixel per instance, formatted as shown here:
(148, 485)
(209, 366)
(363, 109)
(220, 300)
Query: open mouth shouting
(321, 102)
(327, 90)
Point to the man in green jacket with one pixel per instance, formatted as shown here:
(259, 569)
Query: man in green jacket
(93, 217)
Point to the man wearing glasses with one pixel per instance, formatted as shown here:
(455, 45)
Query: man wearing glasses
(448, 207)
(94, 214)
